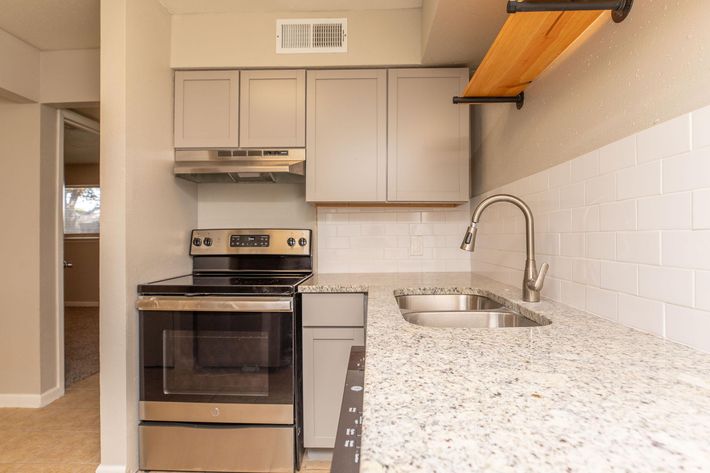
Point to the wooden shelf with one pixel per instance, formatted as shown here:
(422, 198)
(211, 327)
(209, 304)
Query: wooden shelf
(526, 45)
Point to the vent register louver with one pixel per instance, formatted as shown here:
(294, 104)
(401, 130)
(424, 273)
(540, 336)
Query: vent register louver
(324, 35)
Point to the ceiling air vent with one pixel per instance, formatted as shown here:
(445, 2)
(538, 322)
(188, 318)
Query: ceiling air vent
(323, 35)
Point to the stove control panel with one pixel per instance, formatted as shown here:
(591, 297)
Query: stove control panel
(250, 241)
(258, 241)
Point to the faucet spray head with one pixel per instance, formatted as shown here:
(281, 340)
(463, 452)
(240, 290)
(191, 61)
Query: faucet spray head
(469, 239)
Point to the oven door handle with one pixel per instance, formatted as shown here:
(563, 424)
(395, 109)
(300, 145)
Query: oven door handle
(214, 304)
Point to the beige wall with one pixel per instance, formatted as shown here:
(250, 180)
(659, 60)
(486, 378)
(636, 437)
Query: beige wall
(28, 321)
(69, 76)
(19, 198)
(621, 79)
(19, 78)
(379, 37)
(146, 212)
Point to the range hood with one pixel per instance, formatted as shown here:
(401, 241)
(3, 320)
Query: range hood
(241, 165)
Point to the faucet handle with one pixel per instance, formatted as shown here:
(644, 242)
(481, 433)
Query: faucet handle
(539, 281)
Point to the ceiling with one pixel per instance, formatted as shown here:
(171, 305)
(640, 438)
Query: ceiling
(80, 146)
(182, 7)
(52, 24)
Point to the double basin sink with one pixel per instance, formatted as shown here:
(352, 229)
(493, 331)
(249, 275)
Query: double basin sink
(460, 311)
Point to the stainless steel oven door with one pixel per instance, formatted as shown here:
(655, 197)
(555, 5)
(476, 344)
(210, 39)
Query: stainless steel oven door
(217, 359)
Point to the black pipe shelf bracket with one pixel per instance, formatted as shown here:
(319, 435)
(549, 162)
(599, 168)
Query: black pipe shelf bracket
(518, 100)
(619, 8)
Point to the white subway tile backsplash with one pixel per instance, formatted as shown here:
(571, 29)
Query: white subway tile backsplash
(701, 127)
(572, 196)
(432, 217)
(701, 209)
(602, 303)
(687, 172)
(380, 239)
(671, 211)
(642, 314)
(585, 167)
(574, 294)
(572, 244)
(617, 216)
(665, 139)
(620, 277)
(686, 249)
(373, 229)
(625, 229)
(586, 272)
(702, 290)
(639, 181)
(617, 155)
(600, 189)
(688, 326)
(585, 219)
(639, 247)
(409, 217)
(560, 221)
(666, 284)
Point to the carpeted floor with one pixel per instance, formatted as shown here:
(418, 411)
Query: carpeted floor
(81, 343)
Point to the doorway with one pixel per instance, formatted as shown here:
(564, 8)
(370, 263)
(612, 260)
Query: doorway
(81, 198)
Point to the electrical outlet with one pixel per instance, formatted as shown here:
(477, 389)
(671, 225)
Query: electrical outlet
(416, 246)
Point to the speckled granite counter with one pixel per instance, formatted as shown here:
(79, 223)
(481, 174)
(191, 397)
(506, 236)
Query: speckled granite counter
(580, 395)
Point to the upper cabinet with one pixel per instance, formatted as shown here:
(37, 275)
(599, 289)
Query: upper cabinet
(272, 109)
(346, 145)
(428, 136)
(206, 109)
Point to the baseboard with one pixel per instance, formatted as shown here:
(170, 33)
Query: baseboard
(31, 400)
(111, 469)
(50, 396)
(20, 400)
(81, 303)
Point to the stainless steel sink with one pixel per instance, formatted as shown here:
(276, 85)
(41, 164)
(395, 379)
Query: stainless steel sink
(460, 311)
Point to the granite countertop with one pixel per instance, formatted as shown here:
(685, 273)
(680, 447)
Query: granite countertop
(582, 394)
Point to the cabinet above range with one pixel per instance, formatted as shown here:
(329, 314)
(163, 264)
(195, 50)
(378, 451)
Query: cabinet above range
(370, 135)
(247, 109)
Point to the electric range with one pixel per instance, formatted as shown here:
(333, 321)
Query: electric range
(220, 367)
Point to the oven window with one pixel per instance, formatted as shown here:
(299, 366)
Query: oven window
(217, 357)
(215, 363)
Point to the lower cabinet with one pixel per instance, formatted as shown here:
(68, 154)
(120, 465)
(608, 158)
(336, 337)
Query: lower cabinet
(326, 350)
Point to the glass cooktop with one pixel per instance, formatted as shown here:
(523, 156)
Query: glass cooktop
(219, 284)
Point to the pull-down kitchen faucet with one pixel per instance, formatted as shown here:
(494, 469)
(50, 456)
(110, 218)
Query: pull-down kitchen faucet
(532, 280)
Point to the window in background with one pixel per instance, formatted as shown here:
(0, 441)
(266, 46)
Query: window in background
(82, 207)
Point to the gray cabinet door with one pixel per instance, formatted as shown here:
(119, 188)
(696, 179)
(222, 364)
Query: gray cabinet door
(272, 111)
(428, 136)
(346, 136)
(206, 109)
(325, 364)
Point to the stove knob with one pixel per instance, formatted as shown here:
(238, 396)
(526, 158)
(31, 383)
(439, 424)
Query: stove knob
(197, 242)
(302, 241)
(208, 241)
(291, 241)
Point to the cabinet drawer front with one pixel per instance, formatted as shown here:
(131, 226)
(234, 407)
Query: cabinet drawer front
(333, 310)
(202, 447)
